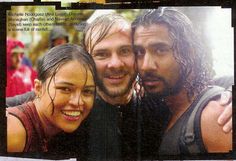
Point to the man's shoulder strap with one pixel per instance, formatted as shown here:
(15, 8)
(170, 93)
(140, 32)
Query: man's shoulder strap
(188, 140)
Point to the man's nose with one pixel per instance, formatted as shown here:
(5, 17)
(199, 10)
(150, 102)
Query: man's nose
(148, 62)
(115, 61)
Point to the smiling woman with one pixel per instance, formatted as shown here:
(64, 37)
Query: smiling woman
(65, 91)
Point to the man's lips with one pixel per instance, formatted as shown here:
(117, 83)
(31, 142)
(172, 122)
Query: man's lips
(151, 82)
(115, 79)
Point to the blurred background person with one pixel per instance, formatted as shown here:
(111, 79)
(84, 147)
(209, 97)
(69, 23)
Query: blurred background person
(58, 36)
(20, 77)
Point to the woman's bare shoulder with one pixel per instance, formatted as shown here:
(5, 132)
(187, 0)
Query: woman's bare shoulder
(16, 134)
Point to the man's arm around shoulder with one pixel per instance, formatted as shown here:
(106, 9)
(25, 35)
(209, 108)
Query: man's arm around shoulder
(19, 99)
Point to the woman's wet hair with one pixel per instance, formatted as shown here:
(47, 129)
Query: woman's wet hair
(59, 55)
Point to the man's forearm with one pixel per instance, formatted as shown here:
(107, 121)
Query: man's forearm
(19, 99)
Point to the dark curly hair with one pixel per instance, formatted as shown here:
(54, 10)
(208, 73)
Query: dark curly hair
(194, 58)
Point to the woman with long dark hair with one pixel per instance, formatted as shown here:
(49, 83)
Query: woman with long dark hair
(65, 91)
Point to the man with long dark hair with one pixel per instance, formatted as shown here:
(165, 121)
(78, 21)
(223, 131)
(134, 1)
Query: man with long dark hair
(175, 66)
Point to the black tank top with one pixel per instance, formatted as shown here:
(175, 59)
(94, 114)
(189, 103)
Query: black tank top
(171, 141)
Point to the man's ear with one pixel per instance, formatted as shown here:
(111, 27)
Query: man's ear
(38, 87)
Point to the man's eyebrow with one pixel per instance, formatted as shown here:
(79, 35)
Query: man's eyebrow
(99, 50)
(125, 46)
(161, 44)
(136, 46)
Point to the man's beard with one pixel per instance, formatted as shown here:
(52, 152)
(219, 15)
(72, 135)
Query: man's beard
(119, 92)
(168, 90)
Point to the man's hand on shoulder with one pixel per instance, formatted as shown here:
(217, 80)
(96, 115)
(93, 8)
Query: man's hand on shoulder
(225, 118)
(214, 138)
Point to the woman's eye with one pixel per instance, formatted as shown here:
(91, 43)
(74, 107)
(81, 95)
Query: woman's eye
(64, 89)
(88, 91)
